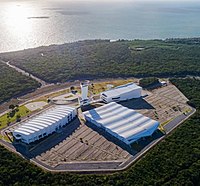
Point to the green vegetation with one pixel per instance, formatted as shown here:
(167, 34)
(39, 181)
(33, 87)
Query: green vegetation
(191, 87)
(97, 88)
(175, 161)
(12, 83)
(15, 114)
(101, 58)
(166, 122)
(147, 82)
(5, 138)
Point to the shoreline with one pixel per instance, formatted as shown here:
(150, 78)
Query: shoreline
(102, 39)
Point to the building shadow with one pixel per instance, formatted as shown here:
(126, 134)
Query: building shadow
(146, 141)
(91, 106)
(153, 86)
(34, 149)
(111, 138)
(136, 104)
(95, 115)
(132, 149)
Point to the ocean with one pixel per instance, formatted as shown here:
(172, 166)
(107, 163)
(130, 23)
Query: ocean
(33, 23)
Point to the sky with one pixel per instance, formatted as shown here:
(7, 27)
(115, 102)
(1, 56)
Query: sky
(106, 0)
(149, 1)
(135, 0)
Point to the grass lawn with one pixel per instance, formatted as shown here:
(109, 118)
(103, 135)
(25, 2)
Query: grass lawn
(102, 86)
(96, 89)
(5, 138)
(57, 93)
(4, 120)
(68, 96)
(166, 122)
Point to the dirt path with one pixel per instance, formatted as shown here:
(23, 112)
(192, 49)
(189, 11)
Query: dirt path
(43, 83)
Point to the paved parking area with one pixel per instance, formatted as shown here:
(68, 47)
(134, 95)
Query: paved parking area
(162, 104)
(82, 146)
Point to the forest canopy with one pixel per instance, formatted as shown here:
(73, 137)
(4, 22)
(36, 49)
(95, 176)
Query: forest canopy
(174, 161)
(102, 58)
(13, 83)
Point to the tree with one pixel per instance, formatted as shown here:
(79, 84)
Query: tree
(11, 106)
(8, 122)
(18, 117)
(150, 81)
(72, 88)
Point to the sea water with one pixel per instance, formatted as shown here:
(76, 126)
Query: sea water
(33, 23)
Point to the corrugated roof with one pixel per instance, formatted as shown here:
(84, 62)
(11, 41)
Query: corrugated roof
(121, 90)
(22, 132)
(120, 120)
(44, 120)
(36, 126)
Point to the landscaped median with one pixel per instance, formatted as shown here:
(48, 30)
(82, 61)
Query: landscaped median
(13, 115)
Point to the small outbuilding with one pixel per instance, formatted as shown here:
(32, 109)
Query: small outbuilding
(163, 83)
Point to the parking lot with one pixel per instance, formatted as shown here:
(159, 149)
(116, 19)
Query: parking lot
(84, 144)
(80, 143)
(162, 104)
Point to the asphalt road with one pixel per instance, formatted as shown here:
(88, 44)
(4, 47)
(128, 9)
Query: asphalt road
(43, 83)
(175, 122)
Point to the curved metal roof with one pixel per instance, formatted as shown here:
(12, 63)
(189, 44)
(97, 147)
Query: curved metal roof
(21, 132)
(62, 114)
(56, 117)
(25, 130)
(33, 128)
(40, 122)
(43, 121)
(36, 126)
(117, 91)
(122, 122)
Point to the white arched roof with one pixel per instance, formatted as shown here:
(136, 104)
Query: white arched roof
(122, 122)
(43, 121)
